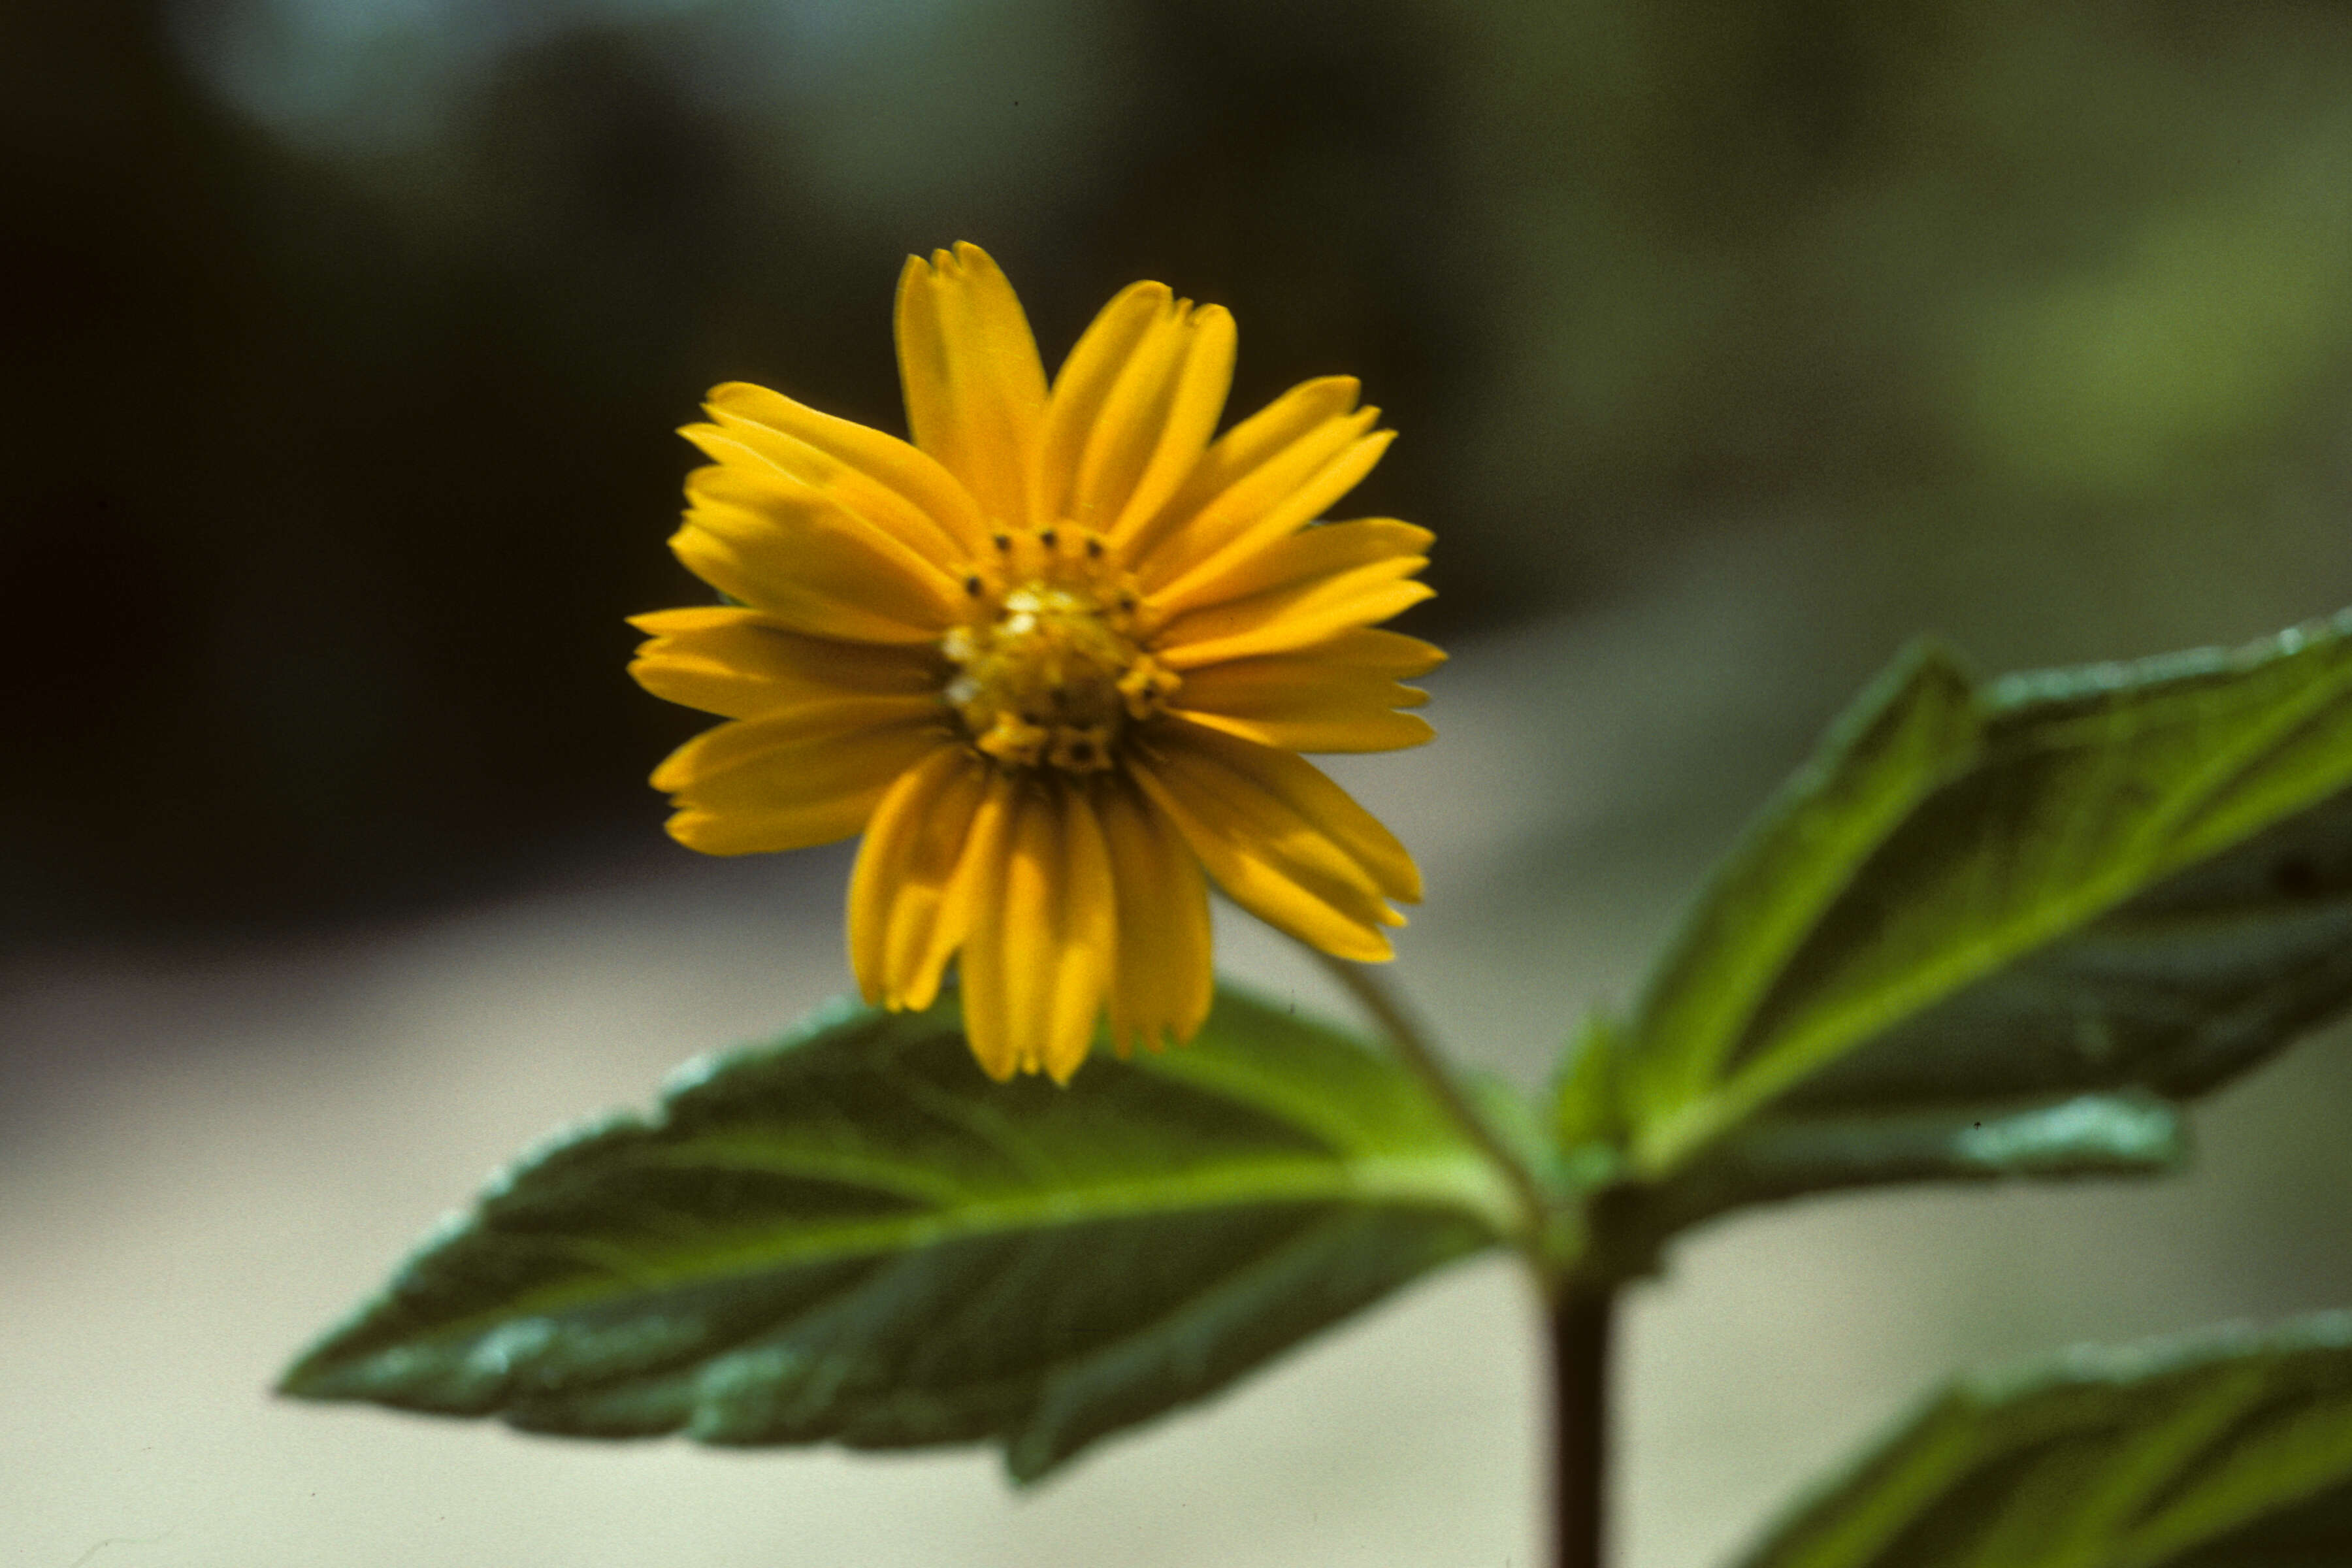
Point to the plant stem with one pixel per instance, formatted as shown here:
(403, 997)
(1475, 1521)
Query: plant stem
(1580, 1316)
(1580, 1382)
(1415, 1050)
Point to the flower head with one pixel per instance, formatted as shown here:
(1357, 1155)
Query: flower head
(1054, 657)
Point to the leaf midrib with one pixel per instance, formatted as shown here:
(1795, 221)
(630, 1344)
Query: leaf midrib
(1459, 1183)
(2161, 847)
(1839, 845)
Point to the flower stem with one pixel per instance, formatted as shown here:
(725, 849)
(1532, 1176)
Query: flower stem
(1580, 1384)
(1579, 1316)
(1415, 1050)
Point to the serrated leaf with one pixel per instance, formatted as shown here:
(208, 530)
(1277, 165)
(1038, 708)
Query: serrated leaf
(2114, 879)
(2224, 1451)
(852, 1234)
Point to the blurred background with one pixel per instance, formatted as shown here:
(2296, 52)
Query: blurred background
(1730, 346)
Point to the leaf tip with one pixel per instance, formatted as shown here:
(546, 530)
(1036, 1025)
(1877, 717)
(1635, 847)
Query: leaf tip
(321, 1375)
(1588, 1098)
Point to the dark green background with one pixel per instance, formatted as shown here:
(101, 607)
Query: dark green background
(345, 338)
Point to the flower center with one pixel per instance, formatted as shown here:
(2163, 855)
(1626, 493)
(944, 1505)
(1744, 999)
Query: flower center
(1049, 669)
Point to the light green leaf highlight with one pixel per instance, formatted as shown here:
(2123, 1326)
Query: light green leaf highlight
(852, 1234)
(2090, 881)
(2226, 1449)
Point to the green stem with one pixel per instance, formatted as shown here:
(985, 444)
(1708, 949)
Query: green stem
(1580, 1316)
(1415, 1050)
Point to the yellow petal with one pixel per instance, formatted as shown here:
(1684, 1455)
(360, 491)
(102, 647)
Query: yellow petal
(1007, 981)
(1308, 791)
(1084, 385)
(731, 753)
(920, 952)
(855, 495)
(1218, 561)
(1259, 469)
(807, 775)
(850, 501)
(890, 484)
(1390, 653)
(1306, 701)
(1134, 407)
(975, 388)
(1284, 619)
(1325, 732)
(735, 663)
(1165, 978)
(899, 466)
(1295, 561)
(781, 547)
(1289, 869)
(898, 891)
(1086, 937)
(1039, 952)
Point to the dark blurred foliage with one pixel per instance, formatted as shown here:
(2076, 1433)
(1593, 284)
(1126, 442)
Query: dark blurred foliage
(346, 337)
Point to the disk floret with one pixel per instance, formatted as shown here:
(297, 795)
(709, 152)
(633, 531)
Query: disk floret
(1050, 667)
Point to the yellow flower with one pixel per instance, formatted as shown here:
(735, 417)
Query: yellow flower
(1053, 659)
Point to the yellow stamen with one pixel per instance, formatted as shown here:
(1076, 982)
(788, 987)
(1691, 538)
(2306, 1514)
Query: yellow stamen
(1048, 670)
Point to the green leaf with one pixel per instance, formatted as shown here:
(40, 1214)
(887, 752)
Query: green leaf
(2133, 1133)
(2119, 878)
(1915, 727)
(2225, 1451)
(852, 1234)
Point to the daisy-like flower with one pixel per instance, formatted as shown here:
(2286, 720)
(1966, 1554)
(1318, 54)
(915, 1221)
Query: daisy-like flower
(1053, 659)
